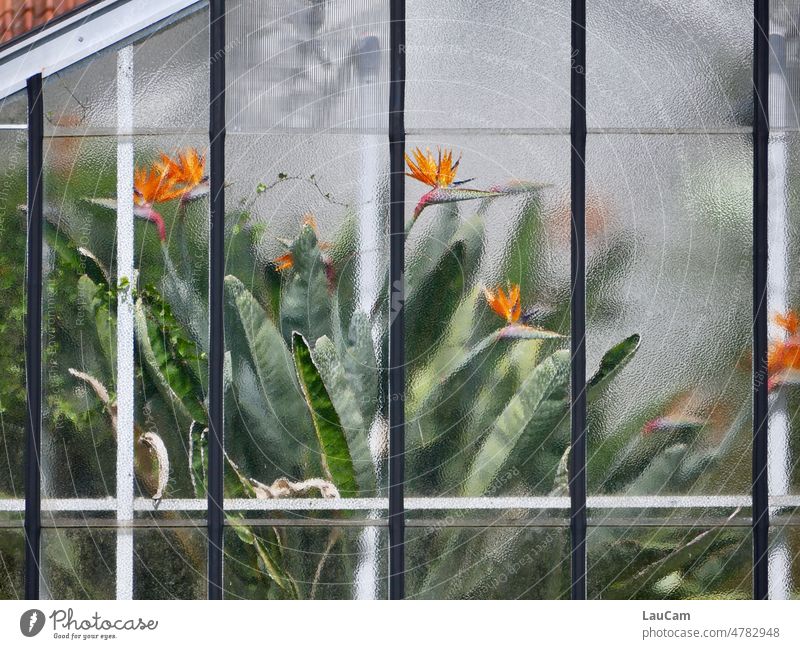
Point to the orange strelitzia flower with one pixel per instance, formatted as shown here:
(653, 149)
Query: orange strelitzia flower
(784, 355)
(153, 186)
(187, 169)
(439, 172)
(506, 305)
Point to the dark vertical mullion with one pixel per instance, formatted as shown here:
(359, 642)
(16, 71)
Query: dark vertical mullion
(760, 405)
(577, 472)
(216, 270)
(33, 339)
(397, 40)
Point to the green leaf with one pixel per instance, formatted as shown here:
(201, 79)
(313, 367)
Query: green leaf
(330, 434)
(305, 298)
(614, 360)
(198, 458)
(264, 378)
(156, 369)
(549, 376)
(348, 401)
(430, 305)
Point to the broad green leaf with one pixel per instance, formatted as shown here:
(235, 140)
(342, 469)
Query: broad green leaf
(156, 369)
(430, 305)
(549, 376)
(305, 296)
(348, 401)
(186, 304)
(264, 377)
(614, 360)
(330, 434)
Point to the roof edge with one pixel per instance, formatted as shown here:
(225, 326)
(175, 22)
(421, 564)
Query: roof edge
(78, 35)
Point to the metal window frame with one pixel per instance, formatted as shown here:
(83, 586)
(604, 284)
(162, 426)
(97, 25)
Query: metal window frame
(216, 269)
(33, 338)
(760, 460)
(397, 240)
(112, 22)
(577, 458)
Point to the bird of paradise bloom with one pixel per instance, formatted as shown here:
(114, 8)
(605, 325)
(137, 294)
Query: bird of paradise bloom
(507, 306)
(440, 174)
(180, 178)
(188, 171)
(783, 358)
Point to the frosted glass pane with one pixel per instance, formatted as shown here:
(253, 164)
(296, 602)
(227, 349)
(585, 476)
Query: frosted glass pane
(14, 108)
(671, 237)
(13, 229)
(80, 315)
(170, 84)
(12, 563)
(486, 389)
(307, 252)
(495, 64)
(669, 563)
(79, 327)
(784, 65)
(488, 563)
(669, 64)
(307, 65)
(170, 563)
(784, 562)
(306, 563)
(78, 564)
(784, 305)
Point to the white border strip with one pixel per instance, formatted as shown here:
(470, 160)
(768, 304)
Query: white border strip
(80, 36)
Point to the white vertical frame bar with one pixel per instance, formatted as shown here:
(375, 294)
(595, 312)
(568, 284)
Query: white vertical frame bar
(777, 290)
(125, 280)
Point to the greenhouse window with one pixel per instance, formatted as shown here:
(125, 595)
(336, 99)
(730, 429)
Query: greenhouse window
(367, 300)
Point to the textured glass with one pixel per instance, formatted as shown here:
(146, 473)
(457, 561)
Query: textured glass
(669, 64)
(487, 563)
(305, 562)
(171, 327)
(669, 223)
(79, 326)
(784, 65)
(169, 563)
(784, 562)
(669, 563)
(306, 65)
(486, 389)
(13, 228)
(307, 252)
(487, 64)
(12, 563)
(170, 77)
(783, 293)
(14, 108)
(78, 564)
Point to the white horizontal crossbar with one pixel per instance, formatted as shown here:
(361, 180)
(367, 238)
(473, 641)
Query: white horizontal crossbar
(411, 504)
